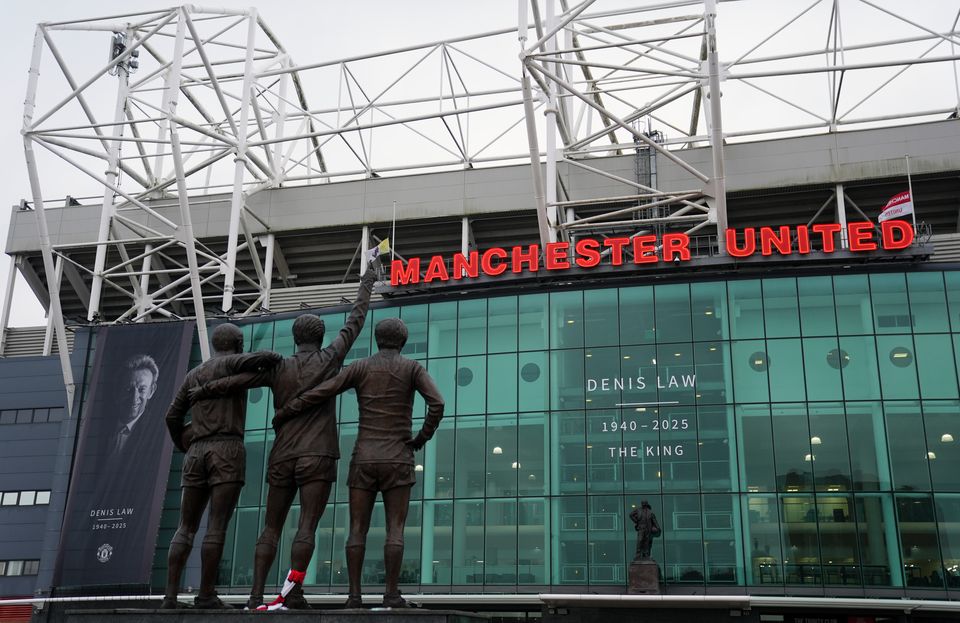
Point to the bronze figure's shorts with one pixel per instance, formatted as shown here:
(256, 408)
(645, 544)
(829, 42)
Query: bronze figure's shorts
(380, 476)
(214, 461)
(301, 470)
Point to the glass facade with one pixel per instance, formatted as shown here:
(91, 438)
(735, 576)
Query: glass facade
(788, 432)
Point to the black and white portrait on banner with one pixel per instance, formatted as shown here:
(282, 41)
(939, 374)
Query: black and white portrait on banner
(122, 459)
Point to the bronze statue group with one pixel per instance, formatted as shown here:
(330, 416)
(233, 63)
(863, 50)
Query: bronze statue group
(305, 453)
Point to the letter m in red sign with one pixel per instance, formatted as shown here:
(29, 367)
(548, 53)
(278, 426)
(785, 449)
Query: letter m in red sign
(400, 275)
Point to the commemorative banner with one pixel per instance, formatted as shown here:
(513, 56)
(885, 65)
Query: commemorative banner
(122, 459)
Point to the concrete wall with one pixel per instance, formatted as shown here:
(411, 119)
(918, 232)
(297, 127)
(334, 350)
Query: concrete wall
(819, 159)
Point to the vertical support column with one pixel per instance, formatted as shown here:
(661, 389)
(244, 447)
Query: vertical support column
(7, 302)
(107, 208)
(464, 240)
(45, 247)
(236, 199)
(271, 241)
(719, 183)
(186, 221)
(48, 334)
(531, 123)
(364, 247)
(842, 216)
(279, 122)
(551, 131)
(145, 300)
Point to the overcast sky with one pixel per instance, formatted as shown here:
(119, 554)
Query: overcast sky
(322, 30)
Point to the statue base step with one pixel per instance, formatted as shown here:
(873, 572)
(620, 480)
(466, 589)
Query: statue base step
(360, 615)
(643, 578)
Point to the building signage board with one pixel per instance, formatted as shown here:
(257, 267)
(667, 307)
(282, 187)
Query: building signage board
(122, 456)
(587, 253)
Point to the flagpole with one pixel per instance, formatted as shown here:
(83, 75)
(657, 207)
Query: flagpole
(913, 200)
(393, 232)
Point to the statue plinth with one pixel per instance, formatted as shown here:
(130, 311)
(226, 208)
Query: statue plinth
(643, 577)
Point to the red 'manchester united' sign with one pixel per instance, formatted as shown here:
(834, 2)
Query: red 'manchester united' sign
(673, 247)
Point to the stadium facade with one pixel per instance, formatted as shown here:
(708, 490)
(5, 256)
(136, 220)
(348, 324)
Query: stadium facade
(792, 414)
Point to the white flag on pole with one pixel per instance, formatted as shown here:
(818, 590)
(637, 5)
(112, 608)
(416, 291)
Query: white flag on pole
(377, 251)
(899, 206)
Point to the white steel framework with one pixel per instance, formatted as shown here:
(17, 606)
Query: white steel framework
(219, 106)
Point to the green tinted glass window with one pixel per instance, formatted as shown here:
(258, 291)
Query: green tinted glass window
(786, 371)
(829, 447)
(444, 375)
(502, 381)
(673, 312)
(755, 434)
(605, 465)
(676, 375)
(868, 456)
(471, 457)
(891, 310)
(722, 542)
(437, 542)
(817, 315)
(919, 545)
(746, 309)
(605, 556)
(502, 324)
(604, 383)
(566, 319)
(714, 376)
(503, 463)
(601, 318)
(533, 385)
(928, 303)
(717, 448)
(472, 327)
(952, 283)
(569, 527)
(566, 379)
(415, 317)
(780, 308)
(637, 445)
(907, 444)
(500, 542)
(708, 309)
(896, 358)
(851, 294)
(750, 364)
(761, 540)
(468, 534)
(935, 366)
(839, 554)
(534, 454)
(948, 509)
(798, 523)
(439, 460)
(638, 374)
(533, 541)
(471, 379)
(568, 444)
(637, 325)
(678, 448)
(792, 449)
(861, 380)
(943, 450)
(532, 319)
(822, 362)
(442, 341)
(255, 443)
(877, 538)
